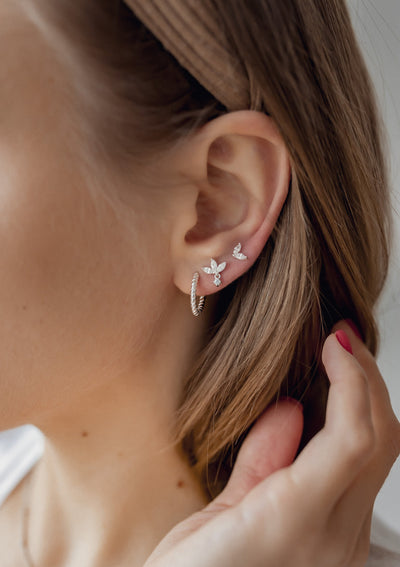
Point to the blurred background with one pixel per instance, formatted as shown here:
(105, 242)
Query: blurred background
(377, 25)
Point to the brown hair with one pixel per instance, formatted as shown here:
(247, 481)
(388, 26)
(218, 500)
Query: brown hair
(327, 258)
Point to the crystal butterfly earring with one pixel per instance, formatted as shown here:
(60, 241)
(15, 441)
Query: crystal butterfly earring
(215, 269)
(237, 253)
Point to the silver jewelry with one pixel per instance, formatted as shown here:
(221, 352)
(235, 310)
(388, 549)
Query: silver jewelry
(237, 253)
(215, 269)
(196, 309)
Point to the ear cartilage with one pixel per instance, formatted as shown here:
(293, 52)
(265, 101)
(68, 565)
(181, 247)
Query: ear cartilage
(215, 269)
(237, 253)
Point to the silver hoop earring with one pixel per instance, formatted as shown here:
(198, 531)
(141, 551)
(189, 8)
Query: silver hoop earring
(215, 269)
(196, 309)
(237, 253)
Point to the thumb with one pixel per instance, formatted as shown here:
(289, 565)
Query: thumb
(271, 444)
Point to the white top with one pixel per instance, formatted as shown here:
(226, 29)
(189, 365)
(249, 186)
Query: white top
(22, 447)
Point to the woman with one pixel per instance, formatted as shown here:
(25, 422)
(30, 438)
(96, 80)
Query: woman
(242, 163)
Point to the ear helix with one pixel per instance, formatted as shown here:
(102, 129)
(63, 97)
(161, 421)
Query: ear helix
(214, 269)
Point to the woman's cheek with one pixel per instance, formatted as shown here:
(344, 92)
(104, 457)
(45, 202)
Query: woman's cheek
(54, 287)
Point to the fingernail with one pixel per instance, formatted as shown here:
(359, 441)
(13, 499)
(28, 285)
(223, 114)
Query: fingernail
(344, 340)
(292, 401)
(354, 328)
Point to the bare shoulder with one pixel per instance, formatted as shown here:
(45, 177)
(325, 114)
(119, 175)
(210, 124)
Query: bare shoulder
(10, 528)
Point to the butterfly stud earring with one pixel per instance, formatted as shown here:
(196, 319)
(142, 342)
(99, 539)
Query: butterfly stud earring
(237, 253)
(215, 269)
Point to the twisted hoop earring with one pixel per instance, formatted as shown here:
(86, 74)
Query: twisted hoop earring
(196, 309)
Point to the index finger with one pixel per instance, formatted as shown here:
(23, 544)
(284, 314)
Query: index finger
(386, 424)
(333, 458)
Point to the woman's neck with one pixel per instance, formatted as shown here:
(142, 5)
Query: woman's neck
(111, 484)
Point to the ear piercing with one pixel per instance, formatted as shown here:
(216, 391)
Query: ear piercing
(237, 253)
(214, 269)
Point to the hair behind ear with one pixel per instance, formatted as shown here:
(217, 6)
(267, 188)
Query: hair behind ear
(327, 258)
(328, 254)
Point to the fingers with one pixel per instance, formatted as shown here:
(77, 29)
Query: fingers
(361, 494)
(349, 404)
(271, 444)
(333, 458)
(386, 424)
(361, 438)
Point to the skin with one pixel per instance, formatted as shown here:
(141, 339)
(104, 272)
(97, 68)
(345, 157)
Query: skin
(321, 514)
(97, 333)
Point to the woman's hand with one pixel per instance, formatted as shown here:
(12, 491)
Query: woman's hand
(315, 511)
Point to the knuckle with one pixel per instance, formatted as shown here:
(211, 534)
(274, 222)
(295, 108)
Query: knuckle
(360, 443)
(281, 497)
(388, 429)
(361, 375)
(390, 445)
(249, 474)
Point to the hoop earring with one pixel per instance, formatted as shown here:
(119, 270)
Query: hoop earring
(196, 309)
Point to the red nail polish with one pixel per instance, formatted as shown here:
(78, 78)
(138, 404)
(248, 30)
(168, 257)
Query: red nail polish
(344, 340)
(354, 328)
(292, 401)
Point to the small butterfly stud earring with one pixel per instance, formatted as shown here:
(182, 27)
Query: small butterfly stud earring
(215, 269)
(237, 253)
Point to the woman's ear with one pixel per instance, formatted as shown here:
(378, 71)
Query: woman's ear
(237, 170)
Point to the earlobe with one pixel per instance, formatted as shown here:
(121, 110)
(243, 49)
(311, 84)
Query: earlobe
(242, 176)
